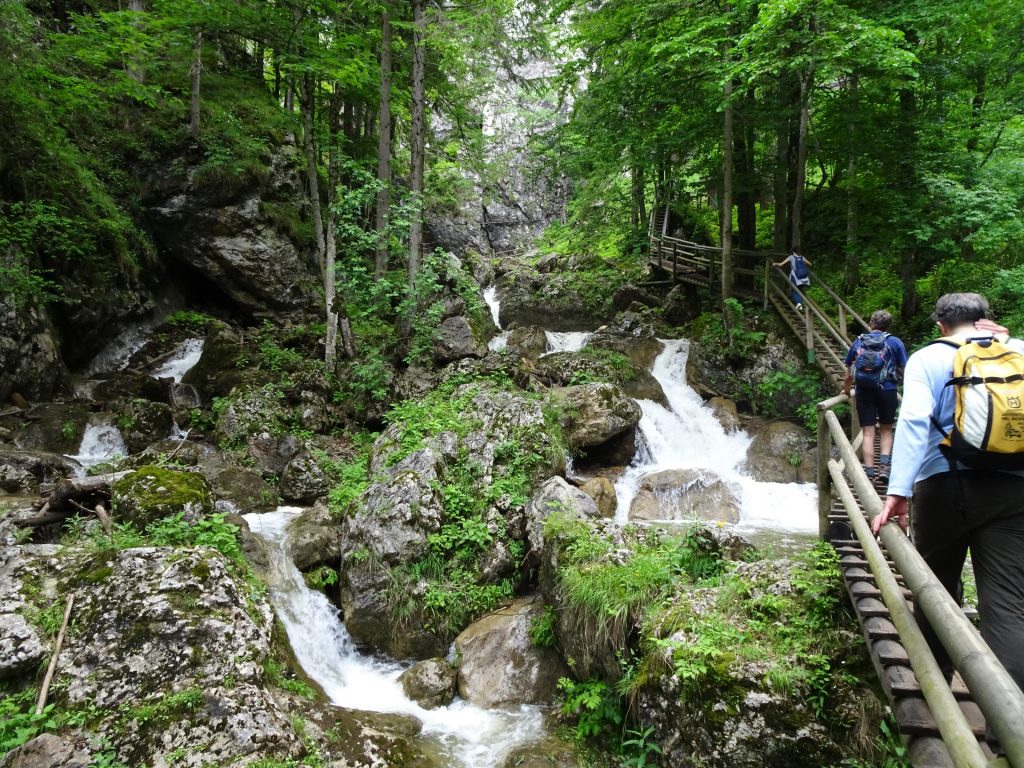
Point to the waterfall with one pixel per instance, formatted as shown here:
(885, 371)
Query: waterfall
(467, 735)
(184, 357)
(100, 442)
(571, 341)
(686, 435)
(500, 341)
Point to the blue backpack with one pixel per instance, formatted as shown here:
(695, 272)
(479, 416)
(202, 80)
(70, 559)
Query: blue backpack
(800, 270)
(873, 365)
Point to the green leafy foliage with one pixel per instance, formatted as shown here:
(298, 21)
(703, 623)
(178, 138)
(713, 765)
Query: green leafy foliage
(542, 629)
(596, 706)
(18, 721)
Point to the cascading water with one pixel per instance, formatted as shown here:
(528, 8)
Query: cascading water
(467, 735)
(688, 436)
(500, 341)
(570, 341)
(184, 357)
(100, 442)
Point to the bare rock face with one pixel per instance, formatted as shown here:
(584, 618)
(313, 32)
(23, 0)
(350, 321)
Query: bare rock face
(527, 341)
(168, 633)
(30, 362)
(48, 751)
(430, 683)
(455, 340)
(500, 664)
(230, 242)
(314, 538)
(685, 494)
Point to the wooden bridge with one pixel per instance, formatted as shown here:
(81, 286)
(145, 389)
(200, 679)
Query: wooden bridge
(942, 724)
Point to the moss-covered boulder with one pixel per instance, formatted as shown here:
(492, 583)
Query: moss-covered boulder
(152, 493)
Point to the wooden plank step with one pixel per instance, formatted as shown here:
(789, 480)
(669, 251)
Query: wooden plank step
(914, 717)
(902, 681)
(890, 653)
(870, 606)
(929, 752)
(859, 589)
(879, 628)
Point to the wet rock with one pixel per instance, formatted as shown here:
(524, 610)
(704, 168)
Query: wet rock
(25, 471)
(725, 411)
(217, 372)
(601, 490)
(550, 752)
(54, 427)
(685, 494)
(314, 538)
(594, 413)
(142, 422)
(500, 665)
(527, 341)
(781, 452)
(430, 683)
(30, 361)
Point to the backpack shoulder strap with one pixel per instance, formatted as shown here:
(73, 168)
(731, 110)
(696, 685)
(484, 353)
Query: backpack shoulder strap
(947, 341)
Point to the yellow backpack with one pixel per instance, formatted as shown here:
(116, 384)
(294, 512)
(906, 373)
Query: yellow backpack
(988, 419)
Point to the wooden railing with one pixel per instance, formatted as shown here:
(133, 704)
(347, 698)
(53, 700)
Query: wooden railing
(990, 685)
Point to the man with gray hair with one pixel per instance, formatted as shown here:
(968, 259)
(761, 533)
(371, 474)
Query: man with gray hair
(956, 507)
(875, 365)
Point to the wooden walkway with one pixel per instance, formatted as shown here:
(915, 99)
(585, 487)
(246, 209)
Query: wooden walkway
(825, 329)
(914, 719)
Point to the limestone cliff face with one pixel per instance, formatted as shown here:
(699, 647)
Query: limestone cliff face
(229, 244)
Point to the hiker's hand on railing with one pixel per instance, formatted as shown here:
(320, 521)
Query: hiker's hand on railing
(895, 508)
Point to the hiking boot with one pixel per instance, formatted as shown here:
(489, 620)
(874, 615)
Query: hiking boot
(799, 307)
(870, 472)
(884, 463)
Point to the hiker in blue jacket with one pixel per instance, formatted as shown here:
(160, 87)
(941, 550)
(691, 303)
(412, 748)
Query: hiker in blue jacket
(980, 510)
(799, 275)
(876, 386)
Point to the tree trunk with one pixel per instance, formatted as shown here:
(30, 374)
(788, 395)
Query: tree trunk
(780, 188)
(312, 178)
(638, 210)
(852, 271)
(380, 262)
(197, 68)
(727, 195)
(136, 72)
(746, 178)
(801, 159)
(418, 139)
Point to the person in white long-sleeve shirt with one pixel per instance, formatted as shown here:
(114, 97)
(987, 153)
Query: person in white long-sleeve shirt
(979, 510)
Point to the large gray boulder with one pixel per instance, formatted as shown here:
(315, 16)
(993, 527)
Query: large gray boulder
(456, 340)
(781, 452)
(500, 665)
(592, 414)
(30, 361)
(430, 683)
(685, 494)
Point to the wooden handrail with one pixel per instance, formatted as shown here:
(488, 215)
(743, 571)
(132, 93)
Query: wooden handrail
(998, 696)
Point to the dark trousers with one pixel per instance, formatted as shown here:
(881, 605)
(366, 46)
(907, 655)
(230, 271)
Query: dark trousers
(993, 530)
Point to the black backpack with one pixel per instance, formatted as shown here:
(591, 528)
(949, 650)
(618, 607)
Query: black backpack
(873, 364)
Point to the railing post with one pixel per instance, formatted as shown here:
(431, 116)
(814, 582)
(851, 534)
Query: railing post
(767, 277)
(842, 321)
(809, 339)
(673, 262)
(824, 479)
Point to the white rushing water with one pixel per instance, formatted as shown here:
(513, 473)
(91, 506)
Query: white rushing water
(184, 357)
(500, 341)
(467, 735)
(570, 341)
(687, 435)
(100, 442)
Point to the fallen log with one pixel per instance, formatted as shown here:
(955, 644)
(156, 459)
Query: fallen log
(71, 496)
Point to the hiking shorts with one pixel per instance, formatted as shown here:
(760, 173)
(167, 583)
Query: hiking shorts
(876, 406)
